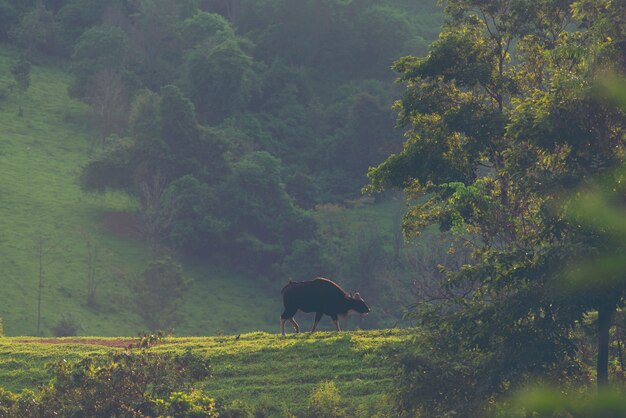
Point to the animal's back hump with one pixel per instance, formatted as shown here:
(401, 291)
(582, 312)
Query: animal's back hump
(317, 285)
(326, 283)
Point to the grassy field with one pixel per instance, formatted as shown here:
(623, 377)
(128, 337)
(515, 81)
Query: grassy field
(254, 368)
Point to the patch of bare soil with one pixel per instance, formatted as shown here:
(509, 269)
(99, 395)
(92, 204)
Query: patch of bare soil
(94, 341)
(123, 224)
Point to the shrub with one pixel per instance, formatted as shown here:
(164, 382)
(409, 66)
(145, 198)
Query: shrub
(5, 90)
(67, 326)
(265, 408)
(186, 405)
(235, 409)
(122, 384)
(7, 400)
(431, 382)
(325, 401)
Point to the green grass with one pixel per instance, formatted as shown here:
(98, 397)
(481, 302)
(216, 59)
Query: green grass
(252, 367)
(40, 156)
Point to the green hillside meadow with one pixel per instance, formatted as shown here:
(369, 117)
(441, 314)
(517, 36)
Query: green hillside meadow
(253, 368)
(40, 157)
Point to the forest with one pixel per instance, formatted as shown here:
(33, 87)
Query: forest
(168, 165)
(196, 109)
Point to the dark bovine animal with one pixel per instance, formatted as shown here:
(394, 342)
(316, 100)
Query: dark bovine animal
(321, 296)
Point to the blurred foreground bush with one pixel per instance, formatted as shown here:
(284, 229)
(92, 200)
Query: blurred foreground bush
(540, 403)
(121, 384)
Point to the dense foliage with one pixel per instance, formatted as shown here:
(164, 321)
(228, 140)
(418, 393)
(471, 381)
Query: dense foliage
(504, 123)
(294, 92)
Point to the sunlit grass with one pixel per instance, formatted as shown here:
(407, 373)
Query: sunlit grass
(248, 367)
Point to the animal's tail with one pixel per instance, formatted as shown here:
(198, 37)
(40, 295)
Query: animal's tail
(287, 285)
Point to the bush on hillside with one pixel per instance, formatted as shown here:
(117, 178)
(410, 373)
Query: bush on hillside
(235, 409)
(264, 408)
(325, 402)
(67, 326)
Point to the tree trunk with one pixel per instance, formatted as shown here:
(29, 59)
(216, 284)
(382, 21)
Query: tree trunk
(91, 273)
(40, 287)
(605, 317)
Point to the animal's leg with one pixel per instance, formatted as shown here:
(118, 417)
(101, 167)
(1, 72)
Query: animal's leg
(336, 322)
(286, 315)
(318, 316)
(295, 324)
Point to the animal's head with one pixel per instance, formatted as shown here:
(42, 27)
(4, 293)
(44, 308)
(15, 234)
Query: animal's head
(359, 304)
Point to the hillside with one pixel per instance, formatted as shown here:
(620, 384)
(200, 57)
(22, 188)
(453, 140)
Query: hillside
(41, 154)
(253, 368)
(167, 166)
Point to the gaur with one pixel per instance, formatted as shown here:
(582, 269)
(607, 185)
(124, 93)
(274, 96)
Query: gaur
(321, 296)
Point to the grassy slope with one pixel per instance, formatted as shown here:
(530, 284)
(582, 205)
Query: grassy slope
(40, 156)
(252, 367)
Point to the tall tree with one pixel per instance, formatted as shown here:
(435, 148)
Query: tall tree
(21, 73)
(501, 120)
(8, 17)
(36, 31)
(264, 220)
(99, 50)
(219, 77)
(109, 101)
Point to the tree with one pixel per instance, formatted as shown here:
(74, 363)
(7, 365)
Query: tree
(157, 291)
(385, 32)
(100, 50)
(155, 41)
(264, 220)
(195, 227)
(111, 169)
(109, 101)
(36, 31)
(92, 262)
(8, 17)
(41, 242)
(21, 74)
(203, 26)
(501, 120)
(369, 136)
(219, 78)
(168, 149)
